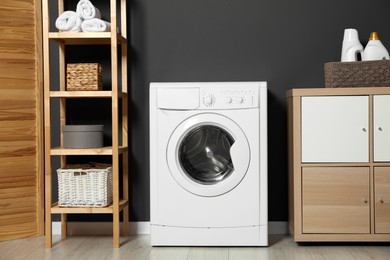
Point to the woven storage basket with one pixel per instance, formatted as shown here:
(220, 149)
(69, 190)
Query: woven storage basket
(85, 185)
(84, 76)
(357, 74)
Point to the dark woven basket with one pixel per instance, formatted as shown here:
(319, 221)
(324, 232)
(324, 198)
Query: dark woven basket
(357, 74)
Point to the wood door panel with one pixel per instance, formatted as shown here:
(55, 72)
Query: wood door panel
(21, 178)
(382, 199)
(335, 200)
(19, 230)
(6, 169)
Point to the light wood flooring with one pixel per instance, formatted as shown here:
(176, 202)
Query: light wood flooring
(138, 247)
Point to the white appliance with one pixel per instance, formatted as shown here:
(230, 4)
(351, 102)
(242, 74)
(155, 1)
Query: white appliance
(208, 164)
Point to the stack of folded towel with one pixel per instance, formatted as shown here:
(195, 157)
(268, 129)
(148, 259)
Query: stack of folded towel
(87, 18)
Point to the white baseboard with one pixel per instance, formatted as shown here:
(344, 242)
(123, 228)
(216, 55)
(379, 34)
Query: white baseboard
(137, 228)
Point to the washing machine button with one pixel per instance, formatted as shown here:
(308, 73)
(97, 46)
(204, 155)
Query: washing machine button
(209, 100)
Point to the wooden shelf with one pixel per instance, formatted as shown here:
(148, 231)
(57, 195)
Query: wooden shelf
(85, 38)
(116, 93)
(91, 151)
(84, 94)
(55, 209)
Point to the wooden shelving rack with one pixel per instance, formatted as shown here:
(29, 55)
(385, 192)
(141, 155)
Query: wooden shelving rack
(115, 40)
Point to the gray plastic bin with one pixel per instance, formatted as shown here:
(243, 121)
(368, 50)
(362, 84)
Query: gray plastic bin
(83, 136)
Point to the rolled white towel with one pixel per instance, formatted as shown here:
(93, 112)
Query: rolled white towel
(69, 21)
(95, 25)
(87, 10)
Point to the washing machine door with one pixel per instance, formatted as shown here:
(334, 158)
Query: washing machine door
(208, 154)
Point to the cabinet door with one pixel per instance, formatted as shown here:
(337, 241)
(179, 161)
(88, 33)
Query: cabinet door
(335, 200)
(381, 128)
(335, 129)
(382, 199)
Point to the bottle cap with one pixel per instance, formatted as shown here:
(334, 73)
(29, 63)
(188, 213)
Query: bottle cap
(374, 36)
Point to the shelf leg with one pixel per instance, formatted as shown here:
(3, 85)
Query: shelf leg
(125, 210)
(126, 221)
(48, 240)
(48, 189)
(116, 230)
(64, 226)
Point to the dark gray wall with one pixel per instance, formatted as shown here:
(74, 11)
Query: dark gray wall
(285, 43)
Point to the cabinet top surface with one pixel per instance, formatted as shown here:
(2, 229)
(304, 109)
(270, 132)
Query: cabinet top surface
(298, 92)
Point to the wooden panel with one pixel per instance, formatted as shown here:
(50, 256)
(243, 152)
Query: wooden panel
(109, 150)
(81, 210)
(81, 94)
(71, 38)
(294, 165)
(21, 205)
(297, 92)
(382, 199)
(336, 200)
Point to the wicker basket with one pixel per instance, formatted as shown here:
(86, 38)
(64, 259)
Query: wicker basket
(85, 185)
(84, 76)
(357, 74)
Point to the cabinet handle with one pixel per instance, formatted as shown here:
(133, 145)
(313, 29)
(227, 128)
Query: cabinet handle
(380, 128)
(381, 200)
(364, 129)
(364, 200)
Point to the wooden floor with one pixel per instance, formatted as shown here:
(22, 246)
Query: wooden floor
(138, 247)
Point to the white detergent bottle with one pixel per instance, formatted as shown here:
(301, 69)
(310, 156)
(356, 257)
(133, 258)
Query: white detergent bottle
(375, 49)
(351, 45)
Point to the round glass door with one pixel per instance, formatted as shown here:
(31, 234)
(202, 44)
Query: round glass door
(204, 154)
(208, 154)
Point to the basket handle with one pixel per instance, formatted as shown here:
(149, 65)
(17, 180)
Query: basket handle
(79, 173)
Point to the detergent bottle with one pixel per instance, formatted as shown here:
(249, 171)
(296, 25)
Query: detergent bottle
(351, 46)
(374, 49)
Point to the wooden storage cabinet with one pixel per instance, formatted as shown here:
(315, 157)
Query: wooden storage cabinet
(339, 167)
(118, 99)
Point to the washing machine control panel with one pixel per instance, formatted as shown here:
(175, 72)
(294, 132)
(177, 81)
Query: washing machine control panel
(229, 98)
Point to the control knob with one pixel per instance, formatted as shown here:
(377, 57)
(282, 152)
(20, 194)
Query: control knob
(209, 100)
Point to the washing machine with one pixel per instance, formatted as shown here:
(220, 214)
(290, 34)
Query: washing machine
(208, 164)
